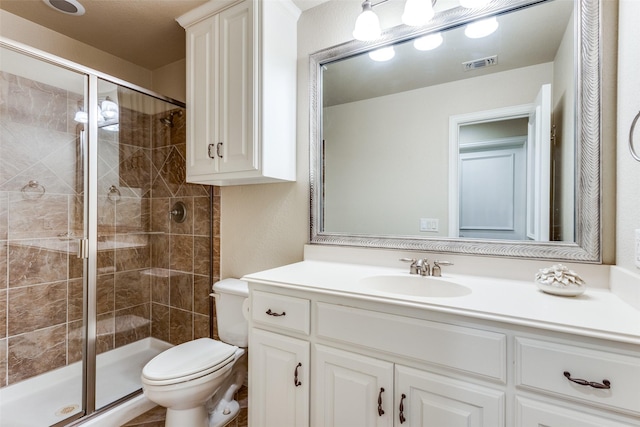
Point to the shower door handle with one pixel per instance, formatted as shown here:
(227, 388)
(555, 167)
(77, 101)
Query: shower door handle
(210, 151)
(83, 248)
(218, 147)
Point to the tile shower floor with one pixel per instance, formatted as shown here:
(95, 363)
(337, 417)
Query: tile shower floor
(49, 398)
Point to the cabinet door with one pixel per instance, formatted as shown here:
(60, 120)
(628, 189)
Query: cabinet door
(430, 400)
(279, 376)
(236, 89)
(531, 413)
(202, 94)
(351, 390)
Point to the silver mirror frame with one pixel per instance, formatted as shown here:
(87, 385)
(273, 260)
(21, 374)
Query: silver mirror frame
(587, 247)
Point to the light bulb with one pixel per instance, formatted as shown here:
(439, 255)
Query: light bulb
(472, 4)
(429, 42)
(417, 12)
(109, 109)
(367, 25)
(482, 28)
(382, 54)
(81, 117)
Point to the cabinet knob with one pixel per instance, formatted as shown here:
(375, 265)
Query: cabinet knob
(606, 384)
(218, 147)
(210, 151)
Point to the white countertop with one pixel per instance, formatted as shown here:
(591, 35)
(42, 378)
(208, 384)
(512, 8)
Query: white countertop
(596, 313)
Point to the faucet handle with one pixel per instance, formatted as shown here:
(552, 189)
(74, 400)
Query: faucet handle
(436, 271)
(413, 269)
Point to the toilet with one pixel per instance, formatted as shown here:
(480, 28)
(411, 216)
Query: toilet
(201, 376)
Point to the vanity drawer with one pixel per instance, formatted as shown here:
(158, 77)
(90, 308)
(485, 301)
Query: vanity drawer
(465, 349)
(281, 311)
(541, 365)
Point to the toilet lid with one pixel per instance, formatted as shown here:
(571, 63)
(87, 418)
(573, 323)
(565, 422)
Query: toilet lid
(188, 359)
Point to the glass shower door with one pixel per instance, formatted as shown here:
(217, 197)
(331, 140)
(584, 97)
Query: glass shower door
(128, 130)
(42, 222)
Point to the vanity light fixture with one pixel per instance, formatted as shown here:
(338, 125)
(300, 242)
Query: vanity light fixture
(416, 13)
(429, 42)
(107, 115)
(382, 54)
(81, 116)
(482, 28)
(367, 25)
(109, 109)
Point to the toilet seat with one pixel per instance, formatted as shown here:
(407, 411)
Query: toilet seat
(188, 361)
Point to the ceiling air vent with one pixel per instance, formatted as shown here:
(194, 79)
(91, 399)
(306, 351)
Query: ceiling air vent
(489, 61)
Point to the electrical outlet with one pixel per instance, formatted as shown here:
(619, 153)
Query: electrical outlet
(637, 246)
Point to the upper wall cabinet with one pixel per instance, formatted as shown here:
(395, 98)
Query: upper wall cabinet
(241, 92)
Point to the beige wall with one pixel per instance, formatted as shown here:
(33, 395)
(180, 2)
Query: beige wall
(168, 80)
(171, 80)
(628, 203)
(408, 138)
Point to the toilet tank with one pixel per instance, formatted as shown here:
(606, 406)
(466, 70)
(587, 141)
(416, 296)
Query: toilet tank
(230, 294)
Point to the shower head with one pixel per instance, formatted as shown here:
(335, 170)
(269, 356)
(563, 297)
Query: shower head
(168, 121)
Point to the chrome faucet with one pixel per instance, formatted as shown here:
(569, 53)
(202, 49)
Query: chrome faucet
(418, 266)
(421, 266)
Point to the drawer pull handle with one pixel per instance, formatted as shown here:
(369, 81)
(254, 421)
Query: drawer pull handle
(271, 313)
(606, 384)
(402, 418)
(380, 410)
(210, 151)
(296, 382)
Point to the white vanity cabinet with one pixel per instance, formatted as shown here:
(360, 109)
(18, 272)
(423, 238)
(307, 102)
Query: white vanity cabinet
(241, 92)
(354, 390)
(566, 384)
(367, 367)
(279, 394)
(374, 363)
(283, 385)
(350, 388)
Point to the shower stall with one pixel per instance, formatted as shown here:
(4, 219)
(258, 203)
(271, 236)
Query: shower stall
(98, 272)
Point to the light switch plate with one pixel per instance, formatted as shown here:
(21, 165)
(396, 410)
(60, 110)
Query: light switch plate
(429, 224)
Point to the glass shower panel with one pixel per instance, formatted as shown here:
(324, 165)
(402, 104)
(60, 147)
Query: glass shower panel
(130, 133)
(42, 221)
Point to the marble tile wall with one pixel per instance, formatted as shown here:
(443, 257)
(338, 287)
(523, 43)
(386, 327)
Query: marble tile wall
(38, 287)
(148, 284)
(180, 252)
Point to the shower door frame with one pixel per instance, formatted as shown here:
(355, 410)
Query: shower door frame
(89, 147)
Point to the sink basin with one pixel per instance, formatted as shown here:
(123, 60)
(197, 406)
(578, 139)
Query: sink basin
(416, 286)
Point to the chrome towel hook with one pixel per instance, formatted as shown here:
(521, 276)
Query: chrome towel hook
(634, 154)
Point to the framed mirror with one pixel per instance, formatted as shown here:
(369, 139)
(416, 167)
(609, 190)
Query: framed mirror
(487, 146)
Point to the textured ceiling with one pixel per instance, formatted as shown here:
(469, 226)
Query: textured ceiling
(143, 32)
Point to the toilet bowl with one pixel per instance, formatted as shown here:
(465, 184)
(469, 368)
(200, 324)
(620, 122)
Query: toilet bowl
(184, 378)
